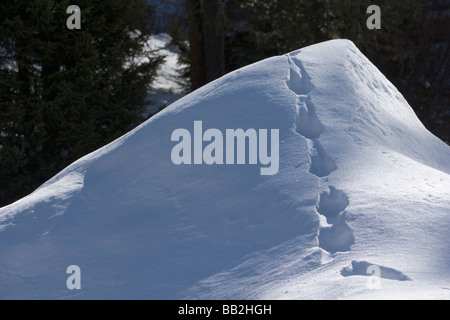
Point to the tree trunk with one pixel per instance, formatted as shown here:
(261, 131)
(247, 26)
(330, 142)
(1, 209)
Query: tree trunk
(207, 41)
(214, 40)
(197, 59)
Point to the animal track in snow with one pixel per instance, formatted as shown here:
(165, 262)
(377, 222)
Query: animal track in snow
(308, 125)
(363, 268)
(332, 203)
(299, 81)
(337, 237)
(321, 163)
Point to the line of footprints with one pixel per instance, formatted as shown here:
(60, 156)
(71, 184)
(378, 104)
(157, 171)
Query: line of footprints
(335, 235)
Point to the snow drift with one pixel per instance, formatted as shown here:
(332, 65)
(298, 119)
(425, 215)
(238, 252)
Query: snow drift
(359, 208)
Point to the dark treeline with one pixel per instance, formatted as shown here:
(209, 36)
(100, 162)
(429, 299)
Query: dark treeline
(411, 49)
(65, 93)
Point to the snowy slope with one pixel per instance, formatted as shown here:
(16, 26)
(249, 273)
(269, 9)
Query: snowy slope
(362, 188)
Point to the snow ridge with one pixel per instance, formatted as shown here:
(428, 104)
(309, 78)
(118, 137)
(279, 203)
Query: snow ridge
(335, 235)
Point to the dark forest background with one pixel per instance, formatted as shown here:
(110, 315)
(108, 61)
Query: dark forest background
(65, 93)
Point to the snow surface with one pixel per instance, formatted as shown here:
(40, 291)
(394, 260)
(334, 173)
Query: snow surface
(363, 188)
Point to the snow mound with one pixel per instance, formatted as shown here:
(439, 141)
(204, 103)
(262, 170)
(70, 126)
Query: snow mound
(361, 194)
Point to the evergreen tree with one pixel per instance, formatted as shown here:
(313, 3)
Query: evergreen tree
(411, 49)
(65, 93)
(265, 28)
